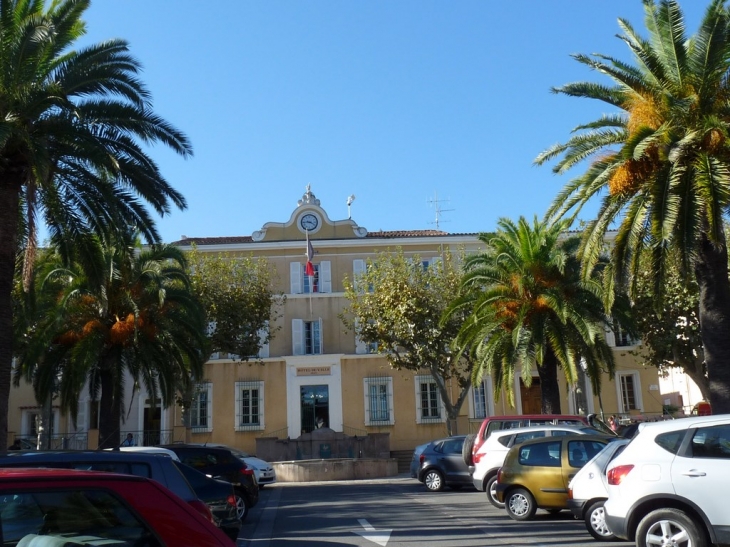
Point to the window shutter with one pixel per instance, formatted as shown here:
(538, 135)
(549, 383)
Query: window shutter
(325, 276)
(209, 406)
(295, 273)
(366, 398)
(391, 406)
(264, 346)
(360, 346)
(81, 421)
(297, 336)
(237, 392)
(358, 268)
(610, 337)
(261, 406)
(321, 338)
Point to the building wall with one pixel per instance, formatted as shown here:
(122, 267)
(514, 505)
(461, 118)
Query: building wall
(279, 379)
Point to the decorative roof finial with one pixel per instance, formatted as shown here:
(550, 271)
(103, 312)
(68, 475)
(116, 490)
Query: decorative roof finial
(308, 198)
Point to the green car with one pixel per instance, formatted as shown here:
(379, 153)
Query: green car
(535, 474)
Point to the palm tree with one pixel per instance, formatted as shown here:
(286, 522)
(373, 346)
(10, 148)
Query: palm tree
(664, 161)
(71, 127)
(143, 320)
(532, 310)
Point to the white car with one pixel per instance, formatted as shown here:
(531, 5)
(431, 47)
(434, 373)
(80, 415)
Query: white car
(490, 456)
(588, 491)
(263, 471)
(670, 484)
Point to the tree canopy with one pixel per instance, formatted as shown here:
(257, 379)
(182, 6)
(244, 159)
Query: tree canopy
(397, 304)
(75, 130)
(529, 309)
(661, 161)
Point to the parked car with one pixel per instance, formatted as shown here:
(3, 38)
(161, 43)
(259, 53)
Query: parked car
(496, 423)
(152, 466)
(535, 474)
(59, 507)
(218, 495)
(263, 470)
(415, 461)
(441, 464)
(490, 455)
(588, 491)
(220, 463)
(668, 485)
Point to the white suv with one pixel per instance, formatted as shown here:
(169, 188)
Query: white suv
(490, 455)
(670, 484)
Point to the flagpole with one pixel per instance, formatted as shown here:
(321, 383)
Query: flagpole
(308, 270)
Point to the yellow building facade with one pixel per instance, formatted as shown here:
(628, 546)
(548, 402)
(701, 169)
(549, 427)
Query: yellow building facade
(314, 373)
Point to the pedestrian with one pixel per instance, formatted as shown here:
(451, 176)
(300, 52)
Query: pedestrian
(15, 445)
(613, 423)
(129, 441)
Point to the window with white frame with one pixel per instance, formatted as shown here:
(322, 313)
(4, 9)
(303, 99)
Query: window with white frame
(379, 400)
(201, 408)
(320, 282)
(479, 394)
(362, 347)
(629, 391)
(359, 268)
(428, 401)
(306, 337)
(617, 337)
(249, 405)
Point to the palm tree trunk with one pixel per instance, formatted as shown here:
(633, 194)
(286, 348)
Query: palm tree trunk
(712, 278)
(549, 387)
(109, 410)
(10, 184)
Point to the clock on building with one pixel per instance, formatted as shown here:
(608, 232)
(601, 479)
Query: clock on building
(309, 222)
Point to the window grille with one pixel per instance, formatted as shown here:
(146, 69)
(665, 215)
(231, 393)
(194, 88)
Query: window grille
(379, 400)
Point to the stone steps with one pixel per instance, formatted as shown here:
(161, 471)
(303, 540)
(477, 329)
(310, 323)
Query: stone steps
(403, 458)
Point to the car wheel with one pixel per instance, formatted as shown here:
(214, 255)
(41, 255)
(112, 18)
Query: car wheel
(595, 519)
(241, 507)
(669, 527)
(520, 504)
(467, 448)
(434, 480)
(491, 490)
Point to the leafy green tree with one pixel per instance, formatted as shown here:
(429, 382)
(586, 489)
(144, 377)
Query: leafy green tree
(143, 319)
(670, 327)
(239, 302)
(531, 309)
(402, 315)
(662, 161)
(72, 126)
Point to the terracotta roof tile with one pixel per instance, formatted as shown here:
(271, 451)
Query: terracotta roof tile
(406, 233)
(382, 234)
(225, 240)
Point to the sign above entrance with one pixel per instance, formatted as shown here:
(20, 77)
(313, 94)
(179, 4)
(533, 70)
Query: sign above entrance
(314, 371)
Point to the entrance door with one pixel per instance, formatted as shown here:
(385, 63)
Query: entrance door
(531, 397)
(315, 403)
(151, 425)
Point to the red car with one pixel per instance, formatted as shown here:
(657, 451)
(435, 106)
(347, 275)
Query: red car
(91, 508)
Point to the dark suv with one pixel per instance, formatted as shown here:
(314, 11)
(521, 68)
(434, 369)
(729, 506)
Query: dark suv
(220, 463)
(152, 466)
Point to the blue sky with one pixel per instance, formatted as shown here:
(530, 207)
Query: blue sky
(398, 102)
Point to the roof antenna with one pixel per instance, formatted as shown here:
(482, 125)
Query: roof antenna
(436, 202)
(350, 199)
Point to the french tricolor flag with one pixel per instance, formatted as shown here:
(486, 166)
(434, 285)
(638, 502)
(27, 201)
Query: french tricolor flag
(309, 268)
